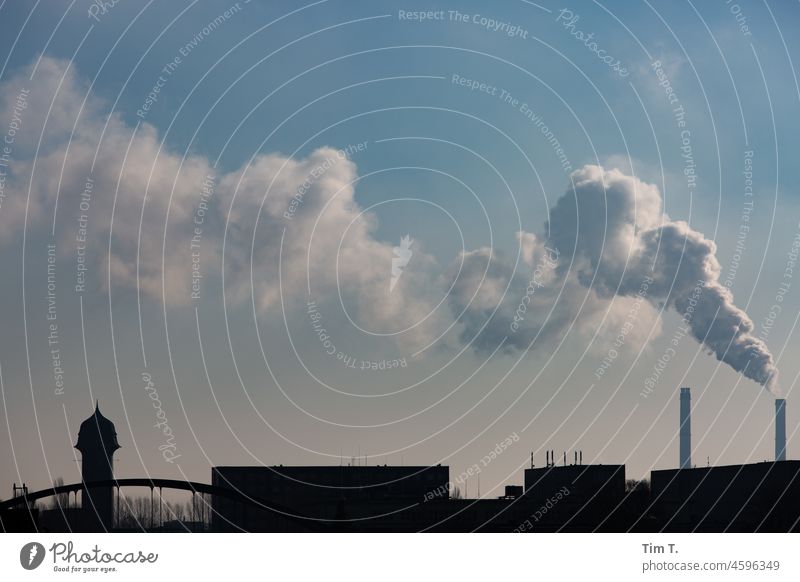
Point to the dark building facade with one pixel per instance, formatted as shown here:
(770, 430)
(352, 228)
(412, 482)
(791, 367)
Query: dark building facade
(575, 497)
(97, 442)
(737, 498)
(398, 499)
(343, 498)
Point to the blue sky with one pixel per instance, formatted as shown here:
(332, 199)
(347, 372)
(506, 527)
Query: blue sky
(454, 168)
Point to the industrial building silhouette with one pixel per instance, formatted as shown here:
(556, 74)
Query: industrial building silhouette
(569, 497)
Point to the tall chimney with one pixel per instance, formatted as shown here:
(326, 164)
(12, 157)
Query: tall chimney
(686, 429)
(780, 429)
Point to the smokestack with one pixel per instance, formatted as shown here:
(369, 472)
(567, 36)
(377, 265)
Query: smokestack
(780, 429)
(686, 429)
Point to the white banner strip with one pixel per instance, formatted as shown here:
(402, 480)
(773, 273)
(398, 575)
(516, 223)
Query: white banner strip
(370, 557)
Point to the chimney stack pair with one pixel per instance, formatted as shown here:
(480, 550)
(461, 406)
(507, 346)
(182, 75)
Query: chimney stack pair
(686, 429)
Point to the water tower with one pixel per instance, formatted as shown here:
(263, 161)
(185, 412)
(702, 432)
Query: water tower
(97, 441)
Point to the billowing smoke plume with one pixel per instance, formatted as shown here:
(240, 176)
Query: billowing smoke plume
(685, 255)
(607, 234)
(611, 236)
(614, 225)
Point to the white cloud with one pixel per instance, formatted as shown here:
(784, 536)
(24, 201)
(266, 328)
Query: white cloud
(607, 230)
(154, 194)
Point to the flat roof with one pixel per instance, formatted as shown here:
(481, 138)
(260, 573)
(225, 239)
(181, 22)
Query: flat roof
(760, 464)
(330, 467)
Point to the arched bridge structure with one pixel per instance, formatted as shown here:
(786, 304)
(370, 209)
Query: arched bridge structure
(190, 486)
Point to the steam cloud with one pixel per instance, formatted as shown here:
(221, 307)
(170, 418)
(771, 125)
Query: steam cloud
(296, 212)
(612, 236)
(608, 231)
(642, 242)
